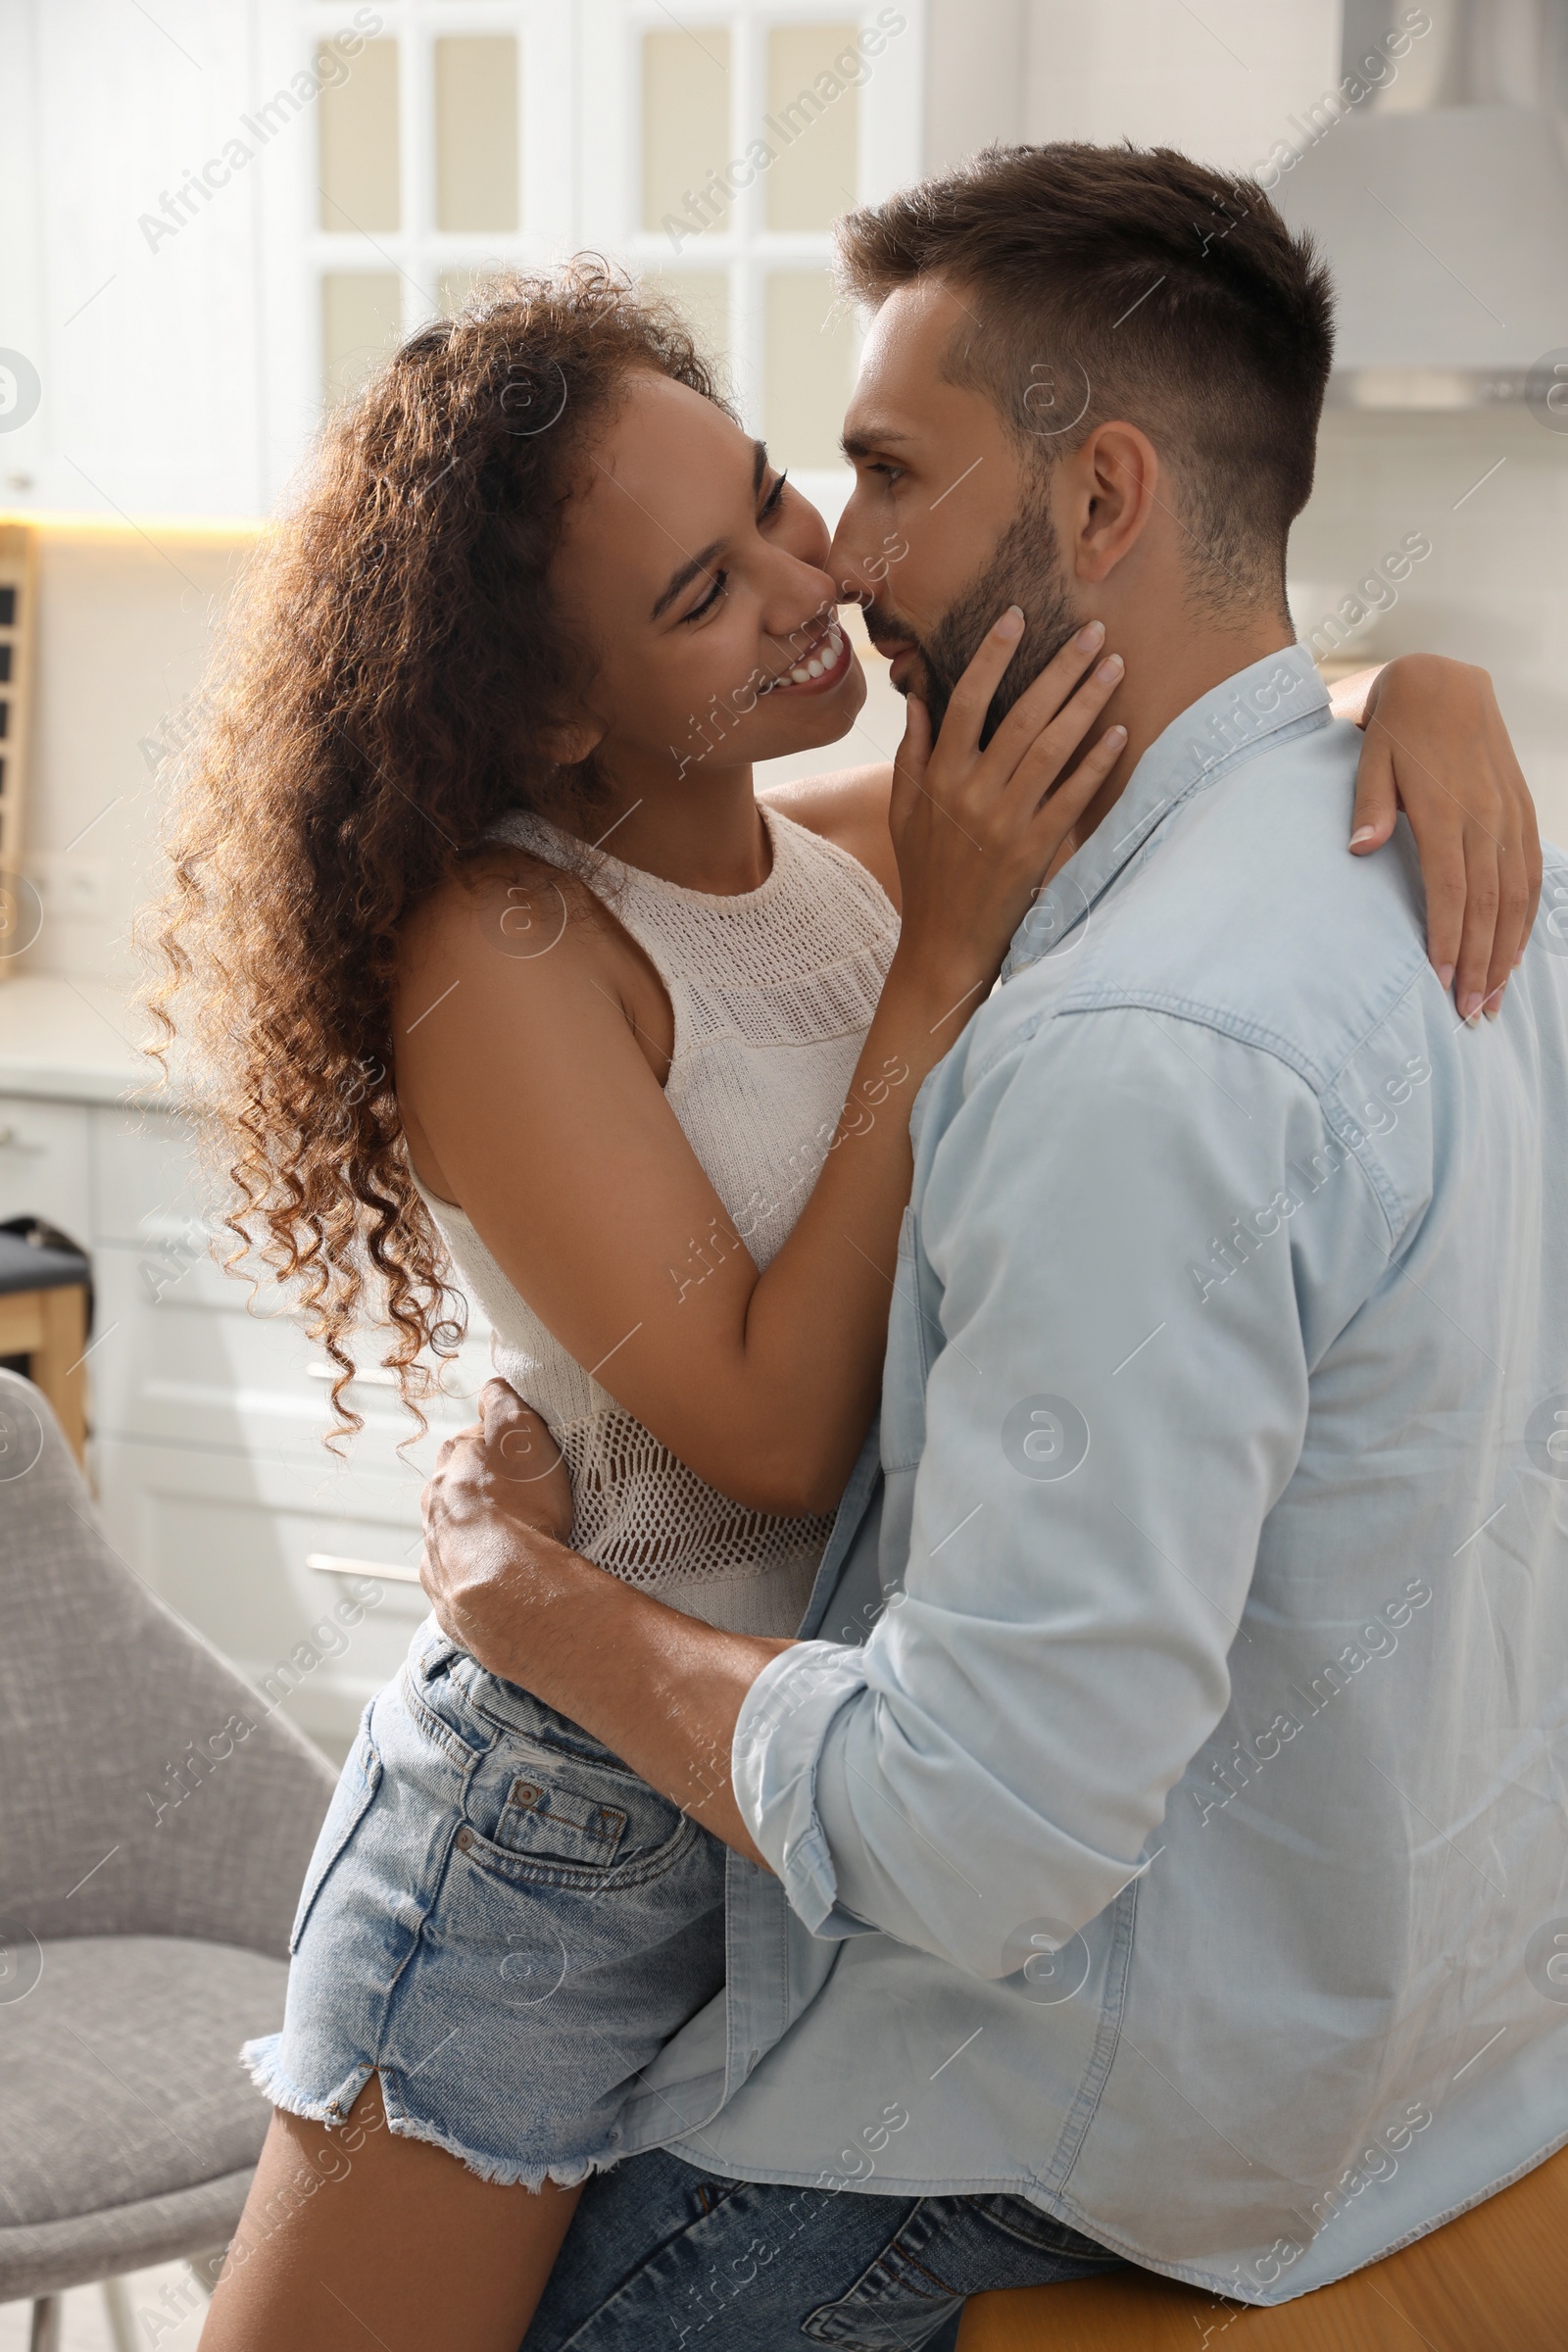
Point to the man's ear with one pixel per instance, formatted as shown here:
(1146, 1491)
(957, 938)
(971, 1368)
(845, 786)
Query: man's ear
(571, 743)
(1112, 482)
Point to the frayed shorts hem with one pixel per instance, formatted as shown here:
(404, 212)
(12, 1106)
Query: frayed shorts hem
(259, 2059)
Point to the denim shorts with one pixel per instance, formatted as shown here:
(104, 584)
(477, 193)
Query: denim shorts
(500, 1920)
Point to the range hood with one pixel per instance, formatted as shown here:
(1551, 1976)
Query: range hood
(1446, 232)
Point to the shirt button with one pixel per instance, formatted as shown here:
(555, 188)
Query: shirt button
(464, 1840)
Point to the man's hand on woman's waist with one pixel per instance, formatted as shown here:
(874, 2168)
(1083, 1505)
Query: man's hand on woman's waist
(661, 1690)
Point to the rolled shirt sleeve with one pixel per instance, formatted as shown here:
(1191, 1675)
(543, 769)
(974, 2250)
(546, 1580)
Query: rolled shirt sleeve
(1132, 1265)
(785, 1718)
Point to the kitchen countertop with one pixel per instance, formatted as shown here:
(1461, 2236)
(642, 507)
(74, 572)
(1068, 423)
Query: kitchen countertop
(71, 1040)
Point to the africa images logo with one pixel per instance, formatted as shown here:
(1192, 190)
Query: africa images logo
(1044, 1437)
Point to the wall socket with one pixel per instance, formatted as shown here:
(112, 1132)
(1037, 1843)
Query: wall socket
(71, 886)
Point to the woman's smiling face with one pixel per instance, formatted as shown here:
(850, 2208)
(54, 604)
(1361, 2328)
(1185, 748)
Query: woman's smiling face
(699, 578)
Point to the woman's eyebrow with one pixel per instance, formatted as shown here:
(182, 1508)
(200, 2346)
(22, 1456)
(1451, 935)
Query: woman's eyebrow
(684, 576)
(689, 571)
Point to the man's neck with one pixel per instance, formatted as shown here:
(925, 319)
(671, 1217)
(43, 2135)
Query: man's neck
(1170, 665)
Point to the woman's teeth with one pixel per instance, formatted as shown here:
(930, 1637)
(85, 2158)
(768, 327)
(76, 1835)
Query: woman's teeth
(815, 666)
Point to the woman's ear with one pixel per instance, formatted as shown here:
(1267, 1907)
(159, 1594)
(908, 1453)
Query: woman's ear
(1113, 487)
(569, 744)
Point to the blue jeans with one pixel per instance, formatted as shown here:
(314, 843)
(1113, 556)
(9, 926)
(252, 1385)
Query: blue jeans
(500, 1920)
(660, 2254)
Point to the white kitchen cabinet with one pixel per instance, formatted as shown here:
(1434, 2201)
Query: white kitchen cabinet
(145, 1182)
(185, 1356)
(43, 1163)
(226, 1537)
(213, 229)
(208, 1412)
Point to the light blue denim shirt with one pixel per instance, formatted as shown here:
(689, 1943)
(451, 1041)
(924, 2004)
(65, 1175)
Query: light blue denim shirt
(1168, 1811)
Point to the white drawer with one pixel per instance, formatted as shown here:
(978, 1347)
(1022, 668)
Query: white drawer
(43, 1163)
(147, 1184)
(182, 1359)
(228, 1542)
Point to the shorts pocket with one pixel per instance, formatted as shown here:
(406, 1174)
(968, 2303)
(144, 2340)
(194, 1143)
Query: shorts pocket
(547, 1814)
(356, 1789)
(560, 1825)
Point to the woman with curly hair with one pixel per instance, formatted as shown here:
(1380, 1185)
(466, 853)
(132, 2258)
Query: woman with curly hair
(496, 961)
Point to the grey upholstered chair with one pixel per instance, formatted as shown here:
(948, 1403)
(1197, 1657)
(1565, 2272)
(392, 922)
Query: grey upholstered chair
(143, 1933)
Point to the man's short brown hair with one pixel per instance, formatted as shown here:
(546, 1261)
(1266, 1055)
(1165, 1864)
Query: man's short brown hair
(1132, 282)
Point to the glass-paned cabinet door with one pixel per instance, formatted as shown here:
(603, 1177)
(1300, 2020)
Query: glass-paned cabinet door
(716, 153)
(437, 143)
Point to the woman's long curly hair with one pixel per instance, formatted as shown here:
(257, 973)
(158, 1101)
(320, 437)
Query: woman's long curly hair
(389, 668)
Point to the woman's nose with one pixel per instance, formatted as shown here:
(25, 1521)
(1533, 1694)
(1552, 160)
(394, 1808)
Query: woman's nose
(802, 602)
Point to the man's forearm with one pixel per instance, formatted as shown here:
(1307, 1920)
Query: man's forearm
(663, 1691)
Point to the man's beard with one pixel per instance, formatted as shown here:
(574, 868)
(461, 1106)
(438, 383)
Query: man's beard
(1024, 569)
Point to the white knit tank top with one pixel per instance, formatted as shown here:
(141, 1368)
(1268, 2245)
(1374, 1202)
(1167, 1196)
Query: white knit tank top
(772, 994)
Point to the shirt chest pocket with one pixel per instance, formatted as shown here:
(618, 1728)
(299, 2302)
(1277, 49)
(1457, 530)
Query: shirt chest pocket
(910, 1325)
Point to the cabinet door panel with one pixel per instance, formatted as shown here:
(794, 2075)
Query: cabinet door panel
(228, 1542)
(43, 1163)
(182, 1356)
(146, 1185)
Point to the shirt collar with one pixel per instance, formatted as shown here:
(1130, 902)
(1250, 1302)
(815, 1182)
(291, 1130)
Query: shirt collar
(1281, 695)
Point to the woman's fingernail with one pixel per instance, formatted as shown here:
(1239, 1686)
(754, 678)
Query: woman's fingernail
(1112, 667)
(1518, 959)
(1089, 636)
(1445, 975)
(1469, 1005)
(1115, 734)
(1363, 833)
(1011, 622)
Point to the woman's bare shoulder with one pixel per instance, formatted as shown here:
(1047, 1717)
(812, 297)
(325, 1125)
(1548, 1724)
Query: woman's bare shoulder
(849, 808)
(512, 903)
(535, 947)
